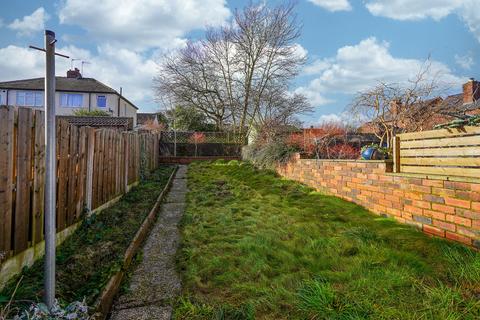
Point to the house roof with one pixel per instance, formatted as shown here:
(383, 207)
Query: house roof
(453, 104)
(63, 84)
(122, 123)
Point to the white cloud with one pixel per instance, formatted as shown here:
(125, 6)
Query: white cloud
(128, 36)
(300, 51)
(142, 24)
(19, 63)
(316, 67)
(30, 24)
(333, 5)
(331, 118)
(357, 67)
(470, 13)
(114, 67)
(468, 10)
(465, 61)
(412, 9)
(315, 96)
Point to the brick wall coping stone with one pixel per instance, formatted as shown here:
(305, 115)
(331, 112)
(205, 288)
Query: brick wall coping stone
(349, 160)
(400, 174)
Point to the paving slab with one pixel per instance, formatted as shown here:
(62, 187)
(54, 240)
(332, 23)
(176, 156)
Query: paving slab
(155, 283)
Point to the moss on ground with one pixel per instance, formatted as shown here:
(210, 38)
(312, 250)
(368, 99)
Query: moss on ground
(256, 246)
(94, 252)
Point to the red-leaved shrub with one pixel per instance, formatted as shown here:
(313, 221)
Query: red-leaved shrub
(343, 151)
(197, 137)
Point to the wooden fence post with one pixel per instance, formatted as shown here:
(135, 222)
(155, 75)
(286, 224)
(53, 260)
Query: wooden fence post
(38, 178)
(126, 156)
(89, 176)
(396, 154)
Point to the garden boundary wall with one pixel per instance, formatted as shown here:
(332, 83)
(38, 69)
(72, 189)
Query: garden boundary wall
(188, 160)
(94, 168)
(442, 206)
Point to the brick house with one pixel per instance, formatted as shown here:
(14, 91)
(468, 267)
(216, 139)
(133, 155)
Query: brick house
(446, 109)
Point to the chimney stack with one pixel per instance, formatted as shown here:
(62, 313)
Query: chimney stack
(74, 74)
(471, 91)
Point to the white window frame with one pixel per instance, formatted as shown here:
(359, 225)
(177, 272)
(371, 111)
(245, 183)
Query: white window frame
(70, 102)
(22, 95)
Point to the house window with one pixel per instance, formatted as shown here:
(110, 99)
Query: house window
(71, 100)
(30, 98)
(101, 101)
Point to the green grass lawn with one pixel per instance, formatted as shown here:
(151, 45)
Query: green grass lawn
(256, 246)
(94, 252)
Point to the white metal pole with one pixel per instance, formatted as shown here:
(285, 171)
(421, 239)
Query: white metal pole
(50, 172)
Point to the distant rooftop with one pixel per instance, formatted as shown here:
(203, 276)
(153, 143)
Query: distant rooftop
(73, 82)
(62, 84)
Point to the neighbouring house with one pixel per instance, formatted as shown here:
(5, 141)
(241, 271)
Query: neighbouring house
(73, 92)
(446, 109)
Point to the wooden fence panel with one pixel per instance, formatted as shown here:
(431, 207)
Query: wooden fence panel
(23, 178)
(62, 174)
(94, 166)
(72, 176)
(451, 152)
(81, 172)
(7, 119)
(38, 178)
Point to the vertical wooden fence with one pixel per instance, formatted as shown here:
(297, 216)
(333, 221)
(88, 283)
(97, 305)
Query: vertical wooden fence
(447, 152)
(94, 166)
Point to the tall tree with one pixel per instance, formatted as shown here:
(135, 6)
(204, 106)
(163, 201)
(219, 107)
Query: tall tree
(240, 73)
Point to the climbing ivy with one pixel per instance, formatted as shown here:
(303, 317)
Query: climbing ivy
(458, 123)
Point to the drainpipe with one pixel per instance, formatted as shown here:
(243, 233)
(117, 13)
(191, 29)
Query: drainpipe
(6, 102)
(119, 98)
(89, 101)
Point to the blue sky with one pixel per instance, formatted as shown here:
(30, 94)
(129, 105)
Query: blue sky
(350, 44)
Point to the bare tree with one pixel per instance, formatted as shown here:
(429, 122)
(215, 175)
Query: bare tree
(391, 108)
(189, 79)
(241, 72)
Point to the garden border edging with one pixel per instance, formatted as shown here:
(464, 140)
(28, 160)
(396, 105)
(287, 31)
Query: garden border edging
(105, 300)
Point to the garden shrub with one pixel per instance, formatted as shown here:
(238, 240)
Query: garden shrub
(91, 113)
(268, 155)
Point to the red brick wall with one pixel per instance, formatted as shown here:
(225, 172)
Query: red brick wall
(187, 160)
(443, 208)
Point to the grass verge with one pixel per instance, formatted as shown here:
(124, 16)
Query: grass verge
(94, 252)
(256, 246)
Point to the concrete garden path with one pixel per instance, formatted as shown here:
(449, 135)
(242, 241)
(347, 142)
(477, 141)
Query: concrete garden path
(155, 282)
